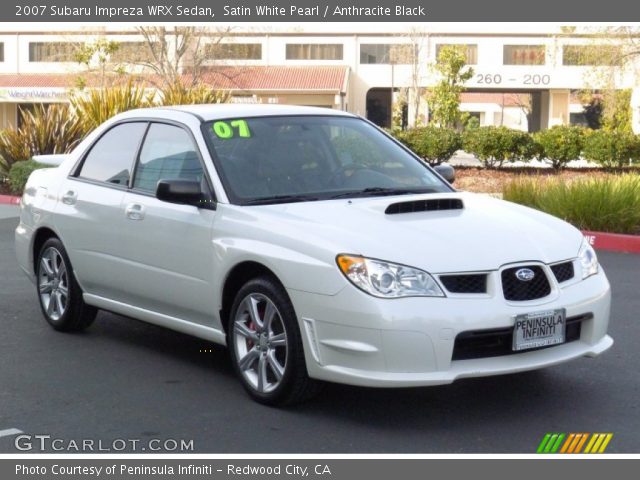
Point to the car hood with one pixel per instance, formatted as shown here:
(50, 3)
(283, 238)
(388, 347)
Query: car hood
(484, 235)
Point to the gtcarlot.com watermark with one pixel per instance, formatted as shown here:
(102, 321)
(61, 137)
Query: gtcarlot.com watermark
(48, 443)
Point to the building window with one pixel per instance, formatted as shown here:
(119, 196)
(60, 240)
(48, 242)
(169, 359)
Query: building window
(314, 51)
(131, 52)
(1, 51)
(592, 55)
(523, 55)
(471, 51)
(377, 53)
(52, 51)
(234, 51)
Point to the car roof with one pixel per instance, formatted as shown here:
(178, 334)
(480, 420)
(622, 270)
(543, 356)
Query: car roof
(229, 110)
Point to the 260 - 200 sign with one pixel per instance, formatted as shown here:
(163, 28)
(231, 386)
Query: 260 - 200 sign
(528, 79)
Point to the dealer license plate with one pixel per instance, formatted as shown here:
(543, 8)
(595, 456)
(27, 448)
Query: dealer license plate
(539, 329)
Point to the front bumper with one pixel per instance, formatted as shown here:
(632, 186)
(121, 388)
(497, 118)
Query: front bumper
(357, 339)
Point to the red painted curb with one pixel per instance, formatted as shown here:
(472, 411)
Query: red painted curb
(9, 200)
(614, 242)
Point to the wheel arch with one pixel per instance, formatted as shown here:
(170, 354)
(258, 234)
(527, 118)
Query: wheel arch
(40, 236)
(240, 274)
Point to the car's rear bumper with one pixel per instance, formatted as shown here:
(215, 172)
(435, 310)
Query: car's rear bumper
(23, 247)
(357, 339)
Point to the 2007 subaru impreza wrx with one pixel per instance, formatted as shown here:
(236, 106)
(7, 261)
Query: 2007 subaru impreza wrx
(312, 244)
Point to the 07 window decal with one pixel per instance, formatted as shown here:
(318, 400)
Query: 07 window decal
(227, 130)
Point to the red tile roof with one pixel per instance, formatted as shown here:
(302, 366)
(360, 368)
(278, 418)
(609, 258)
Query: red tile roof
(307, 78)
(268, 78)
(36, 80)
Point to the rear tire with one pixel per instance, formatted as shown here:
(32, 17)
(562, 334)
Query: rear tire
(59, 294)
(266, 346)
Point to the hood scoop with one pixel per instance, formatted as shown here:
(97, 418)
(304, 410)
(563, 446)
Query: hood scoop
(429, 205)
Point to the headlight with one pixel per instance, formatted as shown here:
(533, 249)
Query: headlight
(387, 280)
(588, 260)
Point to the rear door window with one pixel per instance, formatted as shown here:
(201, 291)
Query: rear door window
(111, 157)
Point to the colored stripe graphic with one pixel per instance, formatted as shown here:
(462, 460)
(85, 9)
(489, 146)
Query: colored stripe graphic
(556, 445)
(570, 438)
(581, 443)
(574, 443)
(543, 443)
(607, 439)
(547, 448)
(592, 442)
(598, 443)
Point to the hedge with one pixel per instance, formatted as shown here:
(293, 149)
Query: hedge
(433, 144)
(19, 174)
(494, 146)
(610, 148)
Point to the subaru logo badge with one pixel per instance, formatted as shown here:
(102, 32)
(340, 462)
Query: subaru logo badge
(525, 274)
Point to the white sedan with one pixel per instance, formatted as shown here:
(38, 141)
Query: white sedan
(312, 244)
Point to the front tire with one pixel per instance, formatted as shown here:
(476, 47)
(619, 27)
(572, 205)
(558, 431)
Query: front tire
(59, 294)
(265, 345)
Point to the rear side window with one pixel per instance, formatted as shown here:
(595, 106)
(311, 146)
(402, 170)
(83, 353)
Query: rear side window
(111, 158)
(168, 153)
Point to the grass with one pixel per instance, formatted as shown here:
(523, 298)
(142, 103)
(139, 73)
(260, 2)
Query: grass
(604, 204)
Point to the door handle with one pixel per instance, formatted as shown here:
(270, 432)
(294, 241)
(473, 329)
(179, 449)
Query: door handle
(134, 211)
(69, 198)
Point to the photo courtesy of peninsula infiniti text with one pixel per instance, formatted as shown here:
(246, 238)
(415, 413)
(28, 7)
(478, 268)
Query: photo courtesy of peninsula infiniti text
(309, 242)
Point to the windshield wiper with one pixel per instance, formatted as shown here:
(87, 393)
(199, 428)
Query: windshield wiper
(381, 191)
(281, 199)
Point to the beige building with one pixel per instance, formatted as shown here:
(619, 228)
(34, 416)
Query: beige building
(524, 74)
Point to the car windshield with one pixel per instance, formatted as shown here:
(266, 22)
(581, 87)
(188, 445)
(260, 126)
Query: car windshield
(285, 159)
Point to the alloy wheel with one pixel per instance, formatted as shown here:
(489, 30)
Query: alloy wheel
(260, 343)
(53, 283)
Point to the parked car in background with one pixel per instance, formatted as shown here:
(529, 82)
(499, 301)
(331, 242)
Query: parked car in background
(312, 244)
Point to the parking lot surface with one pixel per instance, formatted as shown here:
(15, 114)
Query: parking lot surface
(123, 379)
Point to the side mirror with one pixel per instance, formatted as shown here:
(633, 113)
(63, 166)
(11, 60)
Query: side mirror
(446, 171)
(186, 192)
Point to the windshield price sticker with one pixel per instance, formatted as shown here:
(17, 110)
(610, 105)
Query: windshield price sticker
(230, 129)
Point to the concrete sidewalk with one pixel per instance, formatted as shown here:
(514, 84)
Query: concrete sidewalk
(464, 159)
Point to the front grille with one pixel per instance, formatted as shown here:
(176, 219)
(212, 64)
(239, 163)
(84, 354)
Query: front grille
(518, 290)
(563, 271)
(499, 341)
(471, 283)
(424, 206)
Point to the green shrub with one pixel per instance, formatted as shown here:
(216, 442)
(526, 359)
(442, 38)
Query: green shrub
(611, 148)
(178, 93)
(606, 204)
(19, 174)
(471, 123)
(45, 130)
(495, 145)
(13, 148)
(524, 190)
(560, 144)
(49, 130)
(93, 107)
(434, 144)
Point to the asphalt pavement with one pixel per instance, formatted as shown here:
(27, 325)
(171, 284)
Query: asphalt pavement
(123, 379)
(8, 211)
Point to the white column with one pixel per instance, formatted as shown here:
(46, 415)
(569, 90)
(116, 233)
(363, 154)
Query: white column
(558, 107)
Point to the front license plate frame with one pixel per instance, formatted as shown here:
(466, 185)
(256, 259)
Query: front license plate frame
(539, 329)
